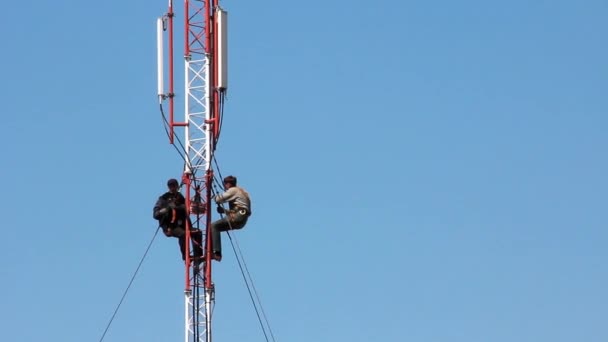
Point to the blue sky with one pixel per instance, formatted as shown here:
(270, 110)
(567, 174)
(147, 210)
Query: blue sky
(422, 171)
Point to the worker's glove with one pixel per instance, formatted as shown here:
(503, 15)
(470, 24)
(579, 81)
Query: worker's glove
(220, 209)
(163, 211)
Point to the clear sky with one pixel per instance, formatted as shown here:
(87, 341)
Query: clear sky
(429, 171)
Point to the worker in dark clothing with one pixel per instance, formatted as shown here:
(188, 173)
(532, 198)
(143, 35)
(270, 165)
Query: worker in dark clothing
(170, 211)
(239, 210)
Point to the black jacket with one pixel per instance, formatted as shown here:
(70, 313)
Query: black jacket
(169, 200)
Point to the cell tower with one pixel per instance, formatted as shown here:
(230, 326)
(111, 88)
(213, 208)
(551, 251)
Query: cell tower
(205, 82)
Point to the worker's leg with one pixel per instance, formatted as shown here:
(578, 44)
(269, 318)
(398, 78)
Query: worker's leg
(178, 232)
(223, 225)
(196, 237)
(182, 246)
(163, 222)
(218, 226)
(197, 242)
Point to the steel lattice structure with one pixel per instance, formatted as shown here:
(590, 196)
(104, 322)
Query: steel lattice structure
(204, 82)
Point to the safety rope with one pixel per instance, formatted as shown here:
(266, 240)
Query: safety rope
(252, 286)
(166, 125)
(248, 279)
(182, 153)
(129, 286)
(184, 156)
(239, 255)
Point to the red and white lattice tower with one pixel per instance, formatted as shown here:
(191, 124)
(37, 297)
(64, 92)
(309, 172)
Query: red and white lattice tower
(205, 81)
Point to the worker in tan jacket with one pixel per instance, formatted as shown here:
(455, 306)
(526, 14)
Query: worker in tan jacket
(239, 210)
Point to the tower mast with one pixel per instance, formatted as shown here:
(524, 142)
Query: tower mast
(204, 24)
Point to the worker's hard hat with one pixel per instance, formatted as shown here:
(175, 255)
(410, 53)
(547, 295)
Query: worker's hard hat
(172, 182)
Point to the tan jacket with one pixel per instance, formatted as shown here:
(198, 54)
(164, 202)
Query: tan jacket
(236, 197)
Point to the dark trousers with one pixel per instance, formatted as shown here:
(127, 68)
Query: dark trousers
(177, 228)
(196, 244)
(229, 222)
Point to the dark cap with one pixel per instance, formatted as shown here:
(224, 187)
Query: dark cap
(172, 182)
(230, 180)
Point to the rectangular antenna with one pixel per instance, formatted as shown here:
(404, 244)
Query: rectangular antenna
(222, 49)
(159, 51)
